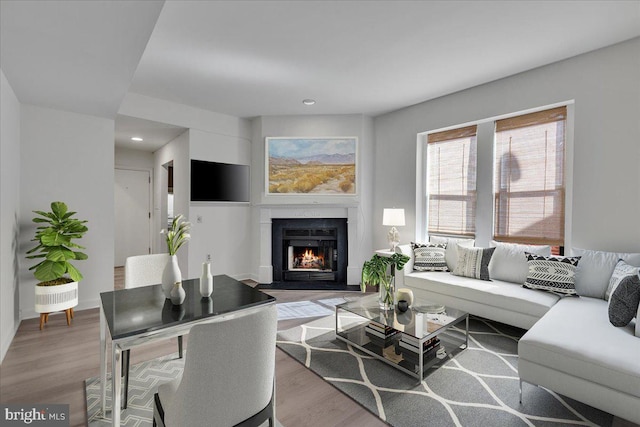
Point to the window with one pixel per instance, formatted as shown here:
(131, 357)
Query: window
(451, 181)
(529, 184)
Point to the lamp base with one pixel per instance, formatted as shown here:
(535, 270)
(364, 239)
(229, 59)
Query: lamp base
(394, 238)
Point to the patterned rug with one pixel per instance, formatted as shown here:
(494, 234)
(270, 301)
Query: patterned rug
(144, 379)
(476, 387)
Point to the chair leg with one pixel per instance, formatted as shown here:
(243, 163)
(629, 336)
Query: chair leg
(180, 346)
(520, 389)
(125, 373)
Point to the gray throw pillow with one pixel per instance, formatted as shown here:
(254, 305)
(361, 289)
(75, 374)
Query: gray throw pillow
(624, 301)
(473, 262)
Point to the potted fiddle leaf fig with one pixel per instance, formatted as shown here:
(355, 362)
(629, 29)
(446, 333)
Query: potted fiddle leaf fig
(56, 250)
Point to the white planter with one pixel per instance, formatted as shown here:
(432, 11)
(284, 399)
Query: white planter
(50, 299)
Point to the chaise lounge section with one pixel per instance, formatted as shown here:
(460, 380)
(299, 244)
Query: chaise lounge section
(571, 346)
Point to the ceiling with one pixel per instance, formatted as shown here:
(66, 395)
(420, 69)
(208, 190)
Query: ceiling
(154, 134)
(255, 58)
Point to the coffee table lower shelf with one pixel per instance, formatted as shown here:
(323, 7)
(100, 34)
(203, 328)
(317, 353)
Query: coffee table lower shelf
(389, 352)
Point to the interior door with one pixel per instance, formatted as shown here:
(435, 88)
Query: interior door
(133, 214)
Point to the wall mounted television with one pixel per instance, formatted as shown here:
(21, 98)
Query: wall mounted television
(219, 182)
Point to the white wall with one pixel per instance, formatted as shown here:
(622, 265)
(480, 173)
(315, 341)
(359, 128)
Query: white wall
(126, 158)
(606, 178)
(360, 206)
(68, 157)
(10, 213)
(225, 228)
(177, 151)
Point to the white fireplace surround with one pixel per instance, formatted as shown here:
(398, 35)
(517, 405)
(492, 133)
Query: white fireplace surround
(354, 231)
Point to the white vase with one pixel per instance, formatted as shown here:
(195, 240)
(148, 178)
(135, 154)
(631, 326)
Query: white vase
(178, 294)
(206, 280)
(170, 275)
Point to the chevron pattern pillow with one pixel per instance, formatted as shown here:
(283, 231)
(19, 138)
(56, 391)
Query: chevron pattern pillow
(429, 256)
(554, 274)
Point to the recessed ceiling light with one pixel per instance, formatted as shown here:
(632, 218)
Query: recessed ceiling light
(308, 101)
(136, 139)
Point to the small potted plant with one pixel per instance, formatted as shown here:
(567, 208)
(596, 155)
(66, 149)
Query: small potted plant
(58, 286)
(376, 272)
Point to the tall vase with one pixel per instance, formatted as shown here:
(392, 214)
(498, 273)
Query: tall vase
(387, 293)
(170, 275)
(206, 281)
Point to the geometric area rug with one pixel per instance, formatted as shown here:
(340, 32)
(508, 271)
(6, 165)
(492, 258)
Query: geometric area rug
(144, 379)
(478, 386)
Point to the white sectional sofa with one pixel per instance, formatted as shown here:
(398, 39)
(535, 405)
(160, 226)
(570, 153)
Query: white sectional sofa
(570, 346)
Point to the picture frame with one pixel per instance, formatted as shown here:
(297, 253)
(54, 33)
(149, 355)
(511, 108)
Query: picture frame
(318, 166)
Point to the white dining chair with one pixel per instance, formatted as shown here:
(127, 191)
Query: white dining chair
(142, 270)
(228, 377)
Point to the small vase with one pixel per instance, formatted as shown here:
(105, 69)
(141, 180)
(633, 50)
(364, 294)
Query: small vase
(206, 281)
(170, 275)
(178, 294)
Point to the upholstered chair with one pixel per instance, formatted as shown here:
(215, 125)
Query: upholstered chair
(228, 377)
(142, 270)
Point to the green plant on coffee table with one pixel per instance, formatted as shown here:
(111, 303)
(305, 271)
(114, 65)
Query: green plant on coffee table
(177, 234)
(54, 244)
(375, 272)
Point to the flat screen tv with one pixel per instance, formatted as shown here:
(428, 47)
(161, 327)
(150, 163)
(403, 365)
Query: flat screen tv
(219, 182)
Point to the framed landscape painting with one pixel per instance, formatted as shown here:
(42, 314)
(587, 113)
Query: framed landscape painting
(318, 166)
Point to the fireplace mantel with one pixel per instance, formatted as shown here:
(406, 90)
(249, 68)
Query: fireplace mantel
(269, 212)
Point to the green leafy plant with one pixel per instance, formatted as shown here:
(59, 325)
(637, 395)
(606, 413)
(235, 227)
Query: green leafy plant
(177, 234)
(55, 245)
(375, 271)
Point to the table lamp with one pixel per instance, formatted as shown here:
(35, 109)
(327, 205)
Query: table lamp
(393, 217)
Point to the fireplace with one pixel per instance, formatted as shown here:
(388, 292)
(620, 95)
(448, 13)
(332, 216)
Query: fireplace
(309, 249)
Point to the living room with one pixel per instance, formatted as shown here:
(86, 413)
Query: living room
(47, 154)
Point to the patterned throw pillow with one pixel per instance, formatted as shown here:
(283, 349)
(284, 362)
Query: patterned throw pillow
(554, 274)
(473, 262)
(624, 300)
(621, 271)
(429, 256)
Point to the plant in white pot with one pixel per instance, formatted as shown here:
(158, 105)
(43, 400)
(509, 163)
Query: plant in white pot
(176, 235)
(58, 286)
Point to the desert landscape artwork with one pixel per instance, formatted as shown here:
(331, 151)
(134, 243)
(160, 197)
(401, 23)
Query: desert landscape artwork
(311, 166)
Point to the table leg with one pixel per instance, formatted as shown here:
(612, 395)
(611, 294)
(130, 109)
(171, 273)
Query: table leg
(103, 361)
(116, 369)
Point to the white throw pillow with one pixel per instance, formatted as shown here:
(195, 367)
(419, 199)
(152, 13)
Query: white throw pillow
(509, 263)
(451, 254)
(595, 270)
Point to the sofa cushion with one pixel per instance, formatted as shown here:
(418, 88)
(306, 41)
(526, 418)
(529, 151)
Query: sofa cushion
(473, 262)
(429, 256)
(509, 263)
(624, 300)
(621, 271)
(552, 274)
(451, 255)
(495, 293)
(575, 337)
(595, 269)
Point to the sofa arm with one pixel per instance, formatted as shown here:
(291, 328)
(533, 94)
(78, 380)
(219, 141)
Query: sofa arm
(638, 321)
(408, 267)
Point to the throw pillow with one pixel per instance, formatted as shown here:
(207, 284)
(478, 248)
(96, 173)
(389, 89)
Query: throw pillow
(624, 301)
(621, 271)
(509, 263)
(554, 274)
(473, 262)
(429, 256)
(452, 243)
(595, 269)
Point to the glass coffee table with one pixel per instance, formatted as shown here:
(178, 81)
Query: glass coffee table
(412, 341)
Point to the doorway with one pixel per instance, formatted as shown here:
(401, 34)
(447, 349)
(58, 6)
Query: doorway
(132, 214)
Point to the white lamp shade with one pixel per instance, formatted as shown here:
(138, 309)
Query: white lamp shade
(393, 217)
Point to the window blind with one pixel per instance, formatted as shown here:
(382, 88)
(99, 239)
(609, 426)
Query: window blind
(451, 182)
(529, 190)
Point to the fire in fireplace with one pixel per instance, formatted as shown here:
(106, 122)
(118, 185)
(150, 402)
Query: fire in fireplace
(305, 259)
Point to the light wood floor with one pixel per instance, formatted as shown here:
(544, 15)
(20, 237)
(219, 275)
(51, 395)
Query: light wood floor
(50, 366)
